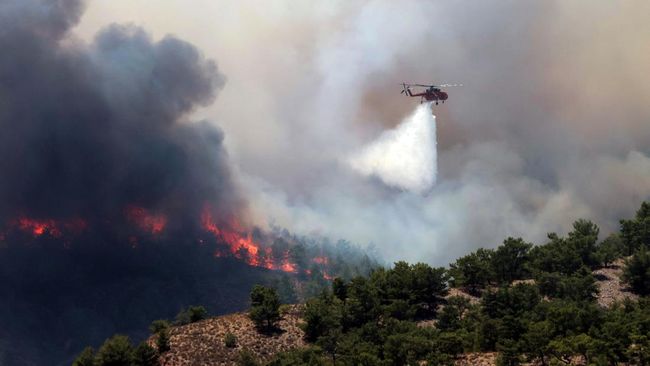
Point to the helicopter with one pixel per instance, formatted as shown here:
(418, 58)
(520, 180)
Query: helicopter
(432, 93)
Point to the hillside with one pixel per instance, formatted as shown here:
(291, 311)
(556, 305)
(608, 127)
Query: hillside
(574, 300)
(202, 343)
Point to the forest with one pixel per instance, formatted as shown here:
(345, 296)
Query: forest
(532, 304)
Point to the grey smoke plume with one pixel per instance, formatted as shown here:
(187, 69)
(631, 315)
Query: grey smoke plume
(551, 125)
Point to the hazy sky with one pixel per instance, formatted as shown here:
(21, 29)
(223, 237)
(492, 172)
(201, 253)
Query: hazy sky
(553, 122)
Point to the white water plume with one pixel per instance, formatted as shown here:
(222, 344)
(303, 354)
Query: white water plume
(404, 157)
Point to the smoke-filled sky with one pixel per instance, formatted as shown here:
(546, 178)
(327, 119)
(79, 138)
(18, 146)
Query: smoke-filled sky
(553, 122)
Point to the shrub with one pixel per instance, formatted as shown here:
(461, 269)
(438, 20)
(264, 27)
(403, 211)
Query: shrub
(230, 340)
(115, 351)
(246, 358)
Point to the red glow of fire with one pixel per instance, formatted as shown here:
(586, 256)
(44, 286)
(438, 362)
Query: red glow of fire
(146, 220)
(38, 227)
(239, 241)
(242, 245)
(55, 228)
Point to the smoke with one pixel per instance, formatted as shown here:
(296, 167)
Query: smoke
(551, 124)
(95, 134)
(404, 157)
(91, 128)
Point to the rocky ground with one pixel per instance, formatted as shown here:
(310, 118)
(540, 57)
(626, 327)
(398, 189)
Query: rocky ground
(477, 359)
(610, 288)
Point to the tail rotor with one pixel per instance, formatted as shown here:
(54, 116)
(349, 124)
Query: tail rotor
(405, 89)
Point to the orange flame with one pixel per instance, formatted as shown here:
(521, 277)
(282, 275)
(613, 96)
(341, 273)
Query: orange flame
(235, 240)
(146, 220)
(242, 245)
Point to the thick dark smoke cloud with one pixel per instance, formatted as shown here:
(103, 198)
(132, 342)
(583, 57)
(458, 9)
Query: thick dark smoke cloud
(88, 129)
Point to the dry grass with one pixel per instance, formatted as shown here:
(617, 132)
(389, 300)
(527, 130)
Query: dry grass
(477, 359)
(202, 343)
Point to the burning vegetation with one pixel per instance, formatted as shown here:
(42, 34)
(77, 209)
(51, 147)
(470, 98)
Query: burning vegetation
(230, 238)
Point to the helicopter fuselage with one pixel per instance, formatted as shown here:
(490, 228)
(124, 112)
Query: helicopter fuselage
(431, 95)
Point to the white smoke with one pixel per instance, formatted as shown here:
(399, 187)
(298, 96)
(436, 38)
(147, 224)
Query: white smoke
(523, 151)
(404, 157)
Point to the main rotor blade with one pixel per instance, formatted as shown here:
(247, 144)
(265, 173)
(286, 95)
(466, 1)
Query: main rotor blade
(449, 85)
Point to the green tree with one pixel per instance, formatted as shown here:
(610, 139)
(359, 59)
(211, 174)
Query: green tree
(636, 232)
(583, 239)
(580, 286)
(363, 303)
(549, 283)
(85, 358)
(429, 287)
(637, 272)
(330, 341)
(265, 307)
(559, 255)
(162, 341)
(510, 301)
(116, 351)
(473, 271)
(286, 290)
(145, 355)
(536, 341)
(158, 325)
(322, 316)
(192, 314)
(610, 249)
(449, 319)
(339, 289)
(510, 260)
(508, 353)
(639, 351)
(309, 356)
